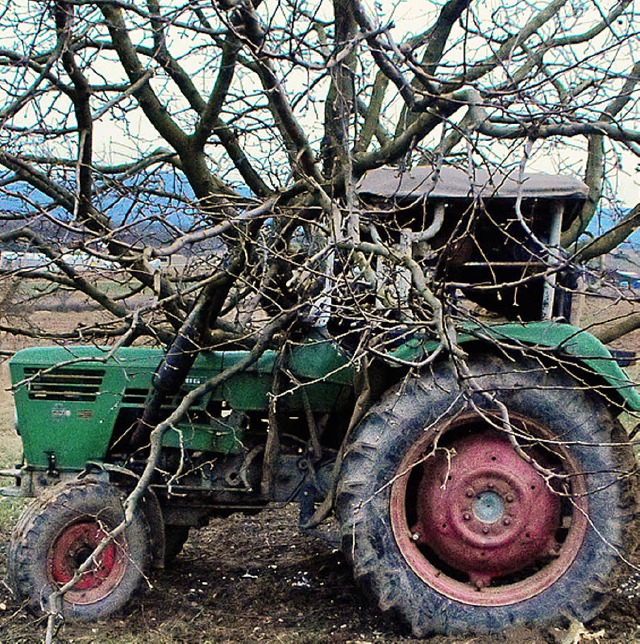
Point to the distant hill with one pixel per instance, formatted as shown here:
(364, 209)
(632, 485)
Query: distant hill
(606, 219)
(148, 214)
(152, 214)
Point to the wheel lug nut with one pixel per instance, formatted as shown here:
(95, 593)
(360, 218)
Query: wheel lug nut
(415, 536)
(470, 493)
(466, 516)
(509, 498)
(490, 486)
(485, 530)
(507, 521)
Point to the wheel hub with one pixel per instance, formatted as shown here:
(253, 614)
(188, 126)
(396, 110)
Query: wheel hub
(69, 551)
(488, 506)
(485, 510)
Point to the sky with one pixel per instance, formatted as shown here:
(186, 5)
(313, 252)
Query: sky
(411, 16)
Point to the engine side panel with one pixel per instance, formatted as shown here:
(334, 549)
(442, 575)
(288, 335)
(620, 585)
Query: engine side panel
(68, 400)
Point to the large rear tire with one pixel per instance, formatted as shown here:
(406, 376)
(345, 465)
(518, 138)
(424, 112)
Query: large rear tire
(458, 526)
(54, 536)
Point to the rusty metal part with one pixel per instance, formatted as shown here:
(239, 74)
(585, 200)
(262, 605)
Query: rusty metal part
(486, 510)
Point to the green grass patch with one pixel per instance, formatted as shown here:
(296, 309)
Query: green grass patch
(33, 288)
(10, 509)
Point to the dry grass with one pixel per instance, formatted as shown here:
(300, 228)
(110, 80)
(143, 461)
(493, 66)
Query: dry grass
(10, 448)
(9, 440)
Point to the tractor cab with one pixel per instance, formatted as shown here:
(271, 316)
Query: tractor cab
(494, 237)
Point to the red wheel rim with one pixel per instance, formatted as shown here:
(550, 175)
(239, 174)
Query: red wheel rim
(475, 519)
(73, 544)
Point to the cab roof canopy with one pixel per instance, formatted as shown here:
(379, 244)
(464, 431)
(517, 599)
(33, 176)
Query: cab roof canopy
(447, 183)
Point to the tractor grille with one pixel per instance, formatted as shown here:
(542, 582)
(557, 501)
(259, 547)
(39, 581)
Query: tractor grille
(135, 397)
(81, 385)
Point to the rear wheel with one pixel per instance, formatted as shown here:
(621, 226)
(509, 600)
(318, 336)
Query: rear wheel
(457, 525)
(55, 536)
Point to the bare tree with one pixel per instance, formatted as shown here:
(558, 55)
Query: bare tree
(240, 138)
(135, 133)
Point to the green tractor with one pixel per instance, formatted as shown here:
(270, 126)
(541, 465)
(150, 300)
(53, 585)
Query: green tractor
(466, 500)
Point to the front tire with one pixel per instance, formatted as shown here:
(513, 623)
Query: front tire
(458, 526)
(54, 536)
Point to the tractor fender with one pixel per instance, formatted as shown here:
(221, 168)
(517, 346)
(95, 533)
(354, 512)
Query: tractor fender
(555, 339)
(148, 504)
(579, 345)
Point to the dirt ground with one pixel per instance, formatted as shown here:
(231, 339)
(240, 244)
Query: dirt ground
(259, 579)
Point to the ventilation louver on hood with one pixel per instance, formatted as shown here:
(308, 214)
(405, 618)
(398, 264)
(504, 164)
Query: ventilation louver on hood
(82, 385)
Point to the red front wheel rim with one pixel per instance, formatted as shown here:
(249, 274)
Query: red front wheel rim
(475, 519)
(71, 547)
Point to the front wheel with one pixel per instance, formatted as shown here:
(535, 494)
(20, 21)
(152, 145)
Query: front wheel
(459, 523)
(58, 532)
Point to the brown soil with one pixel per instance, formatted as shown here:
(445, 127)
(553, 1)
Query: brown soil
(259, 579)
